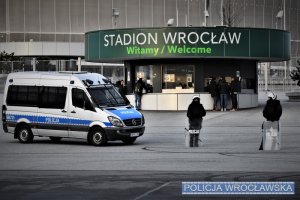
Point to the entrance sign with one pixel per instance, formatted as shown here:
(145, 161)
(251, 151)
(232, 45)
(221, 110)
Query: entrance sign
(188, 42)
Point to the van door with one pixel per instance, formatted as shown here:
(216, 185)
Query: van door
(81, 113)
(52, 112)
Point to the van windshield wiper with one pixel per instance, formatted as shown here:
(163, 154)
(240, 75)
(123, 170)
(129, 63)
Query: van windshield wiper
(114, 98)
(111, 94)
(106, 95)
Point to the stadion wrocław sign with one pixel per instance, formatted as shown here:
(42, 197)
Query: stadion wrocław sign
(187, 42)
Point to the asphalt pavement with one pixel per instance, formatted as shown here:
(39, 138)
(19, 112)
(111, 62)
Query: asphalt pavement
(155, 166)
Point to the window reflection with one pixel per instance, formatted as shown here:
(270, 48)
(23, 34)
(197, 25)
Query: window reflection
(113, 73)
(178, 77)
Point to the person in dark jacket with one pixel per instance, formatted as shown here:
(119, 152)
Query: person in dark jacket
(272, 111)
(138, 93)
(224, 90)
(214, 92)
(235, 88)
(195, 114)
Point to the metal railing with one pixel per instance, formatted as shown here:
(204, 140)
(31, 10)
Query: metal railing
(278, 84)
(112, 72)
(7, 67)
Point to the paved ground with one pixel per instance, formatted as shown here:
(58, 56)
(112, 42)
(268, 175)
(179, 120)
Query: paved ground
(116, 185)
(155, 166)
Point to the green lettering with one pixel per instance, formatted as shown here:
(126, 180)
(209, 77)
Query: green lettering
(188, 50)
(172, 49)
(179, 50)
(208, 50)
(130, 50)
(201, 50)
(143, 51)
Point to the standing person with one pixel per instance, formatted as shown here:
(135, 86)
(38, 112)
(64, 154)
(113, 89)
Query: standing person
(123, 91)
(214, 92)
(195, 114)
(272, 110)
(138, 93)
(235, 88)
(223, 89)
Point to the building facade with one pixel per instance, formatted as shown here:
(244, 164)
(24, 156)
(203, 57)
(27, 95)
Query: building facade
(49, 34)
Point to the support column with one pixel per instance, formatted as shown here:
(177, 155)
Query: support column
(34, 64)
(265, 65)
(79, 64)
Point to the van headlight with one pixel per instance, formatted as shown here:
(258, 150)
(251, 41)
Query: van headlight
(115, 121)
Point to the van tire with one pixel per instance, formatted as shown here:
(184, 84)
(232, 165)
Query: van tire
(97, 137)
(24, 133)
(55, 139)
(129, 140)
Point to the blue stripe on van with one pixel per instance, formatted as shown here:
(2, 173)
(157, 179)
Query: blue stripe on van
(51, 120)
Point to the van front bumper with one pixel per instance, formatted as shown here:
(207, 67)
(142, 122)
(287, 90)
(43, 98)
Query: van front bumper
(118, 133)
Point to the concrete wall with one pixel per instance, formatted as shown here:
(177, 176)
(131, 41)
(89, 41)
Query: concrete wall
(158, 101)
(43, 48)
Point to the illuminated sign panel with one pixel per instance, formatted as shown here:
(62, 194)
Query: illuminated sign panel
(183, 42)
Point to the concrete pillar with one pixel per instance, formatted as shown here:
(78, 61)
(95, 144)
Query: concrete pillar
(34, 64)
(56, 66)
(79, 64)
(265, 65)
(62, 65)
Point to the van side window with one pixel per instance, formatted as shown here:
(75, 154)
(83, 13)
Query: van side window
(80, 99)
(22, 96)
(53, 97)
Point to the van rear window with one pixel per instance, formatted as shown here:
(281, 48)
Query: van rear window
(22, 96)
(36, 96)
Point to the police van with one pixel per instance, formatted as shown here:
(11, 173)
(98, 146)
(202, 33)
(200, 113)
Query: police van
(68, 105)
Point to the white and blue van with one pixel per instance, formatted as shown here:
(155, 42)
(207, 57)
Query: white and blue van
(68, 105)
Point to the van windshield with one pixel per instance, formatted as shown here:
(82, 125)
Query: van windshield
(106, 95)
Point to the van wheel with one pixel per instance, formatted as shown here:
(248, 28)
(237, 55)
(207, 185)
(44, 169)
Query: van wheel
(97, 137)
(55, 139)
(24, 134)
(129, 140)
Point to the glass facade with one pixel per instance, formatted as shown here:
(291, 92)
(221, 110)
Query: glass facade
(175, 76)
(163, 77)
(151, 74)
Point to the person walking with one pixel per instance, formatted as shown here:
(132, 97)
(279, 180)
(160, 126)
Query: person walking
(138, 93)
(223, 89)
(272, 111)
(235, 88)
(214, 92)
(195, 114)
